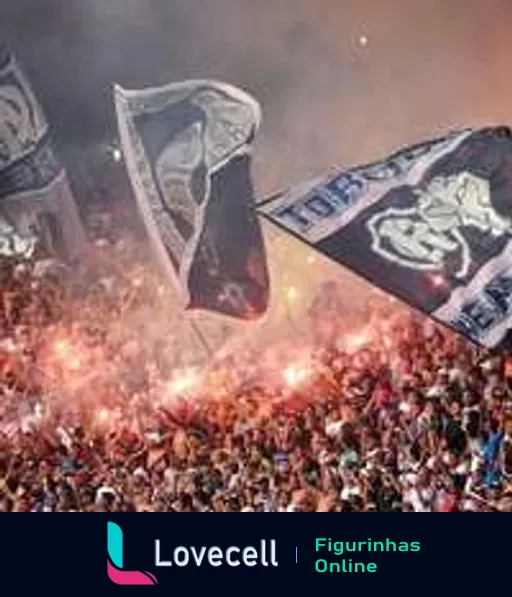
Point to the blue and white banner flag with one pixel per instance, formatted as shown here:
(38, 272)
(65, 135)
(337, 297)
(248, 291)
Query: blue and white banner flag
(431, 224)
(187, 148)
(35, 198)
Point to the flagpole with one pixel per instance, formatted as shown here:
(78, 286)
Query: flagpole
(202, 340)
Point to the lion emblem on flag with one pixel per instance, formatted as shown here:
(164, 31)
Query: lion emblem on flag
(423, 237)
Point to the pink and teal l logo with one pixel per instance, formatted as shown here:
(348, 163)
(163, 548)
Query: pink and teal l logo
(115, 561)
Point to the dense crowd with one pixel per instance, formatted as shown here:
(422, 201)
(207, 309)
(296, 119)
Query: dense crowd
(413, 421)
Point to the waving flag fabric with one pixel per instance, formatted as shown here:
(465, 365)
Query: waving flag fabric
(431, 224)
(36, 204)
(187, 148)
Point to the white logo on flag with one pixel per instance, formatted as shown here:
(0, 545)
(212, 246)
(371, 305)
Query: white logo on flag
(424, 236)
(13, 243)
(21, 121)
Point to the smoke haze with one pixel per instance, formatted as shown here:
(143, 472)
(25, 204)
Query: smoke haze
(341, 82)
(328, 100)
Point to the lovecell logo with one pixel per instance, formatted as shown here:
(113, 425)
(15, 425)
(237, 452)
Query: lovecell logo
(115, 561)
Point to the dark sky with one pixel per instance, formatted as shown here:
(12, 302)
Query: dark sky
(428, 65)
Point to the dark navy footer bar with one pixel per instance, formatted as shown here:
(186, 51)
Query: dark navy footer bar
(234, 554)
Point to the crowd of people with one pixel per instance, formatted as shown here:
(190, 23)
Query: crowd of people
(416, 419)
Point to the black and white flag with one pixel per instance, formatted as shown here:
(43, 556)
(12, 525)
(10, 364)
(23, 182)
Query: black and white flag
(187, 148)
(36, 203)
(431, 224)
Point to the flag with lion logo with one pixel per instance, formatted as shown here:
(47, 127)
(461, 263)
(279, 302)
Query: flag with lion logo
(432, 224)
